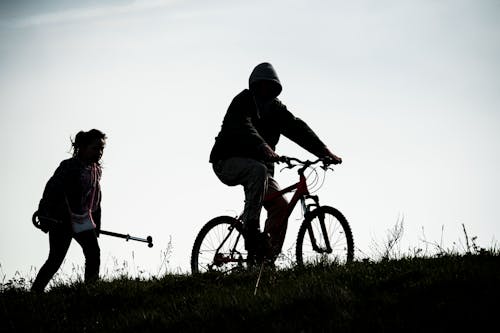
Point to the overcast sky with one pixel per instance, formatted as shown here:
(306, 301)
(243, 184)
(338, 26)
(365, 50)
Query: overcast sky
(406, 92)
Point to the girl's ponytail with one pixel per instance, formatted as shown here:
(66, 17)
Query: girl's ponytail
(83, 139)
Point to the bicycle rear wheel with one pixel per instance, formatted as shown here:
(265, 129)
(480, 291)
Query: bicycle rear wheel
(219, 247)
(324, 237)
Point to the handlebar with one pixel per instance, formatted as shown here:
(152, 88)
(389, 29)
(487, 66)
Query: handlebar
(293, 162)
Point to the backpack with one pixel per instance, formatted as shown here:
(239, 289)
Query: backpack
(41, 219)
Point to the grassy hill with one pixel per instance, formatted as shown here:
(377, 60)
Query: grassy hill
(440, 294)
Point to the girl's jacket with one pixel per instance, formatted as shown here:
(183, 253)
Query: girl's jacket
(74, 188)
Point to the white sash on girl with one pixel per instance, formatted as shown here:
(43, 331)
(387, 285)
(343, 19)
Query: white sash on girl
(82, 222)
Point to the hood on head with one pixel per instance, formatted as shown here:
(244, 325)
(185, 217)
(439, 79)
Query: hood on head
(265, 71)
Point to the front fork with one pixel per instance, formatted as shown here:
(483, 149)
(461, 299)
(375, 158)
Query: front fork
(308, 207)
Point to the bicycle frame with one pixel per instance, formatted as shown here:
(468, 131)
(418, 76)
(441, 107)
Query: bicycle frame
(220, 259)
(302, 194)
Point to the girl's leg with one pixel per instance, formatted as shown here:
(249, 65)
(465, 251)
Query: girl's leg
(88, 242)
(59, 241)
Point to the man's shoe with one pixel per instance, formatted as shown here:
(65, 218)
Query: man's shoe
(264, 249)
(251, 239)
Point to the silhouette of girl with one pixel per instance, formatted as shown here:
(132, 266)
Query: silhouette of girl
(72, 197)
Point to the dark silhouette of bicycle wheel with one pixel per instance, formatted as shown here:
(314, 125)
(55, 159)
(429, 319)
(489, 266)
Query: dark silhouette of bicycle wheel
(324, 237)
(219, 247)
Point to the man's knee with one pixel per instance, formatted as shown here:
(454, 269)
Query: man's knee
(240, 171)
(259, 172)
(281, 204)
(277, 209)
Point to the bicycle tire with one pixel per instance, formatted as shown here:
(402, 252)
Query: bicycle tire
(339, 236)
(219, 246)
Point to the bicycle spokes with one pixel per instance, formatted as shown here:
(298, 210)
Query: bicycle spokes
(324, 236)
(322, 244)
(219, 247)
(227, 253)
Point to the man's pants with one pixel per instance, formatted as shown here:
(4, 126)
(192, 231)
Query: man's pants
(257, 183)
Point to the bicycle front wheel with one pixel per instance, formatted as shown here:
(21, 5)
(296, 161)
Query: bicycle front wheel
(324, 237)
(219, 246)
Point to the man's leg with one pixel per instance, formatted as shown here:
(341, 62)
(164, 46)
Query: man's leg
(277, 221)
(253, 175)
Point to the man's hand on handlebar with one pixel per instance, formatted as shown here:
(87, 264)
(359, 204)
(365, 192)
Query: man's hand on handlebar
(292, 162)
(287, 160)
(269, 153)
(331, 156)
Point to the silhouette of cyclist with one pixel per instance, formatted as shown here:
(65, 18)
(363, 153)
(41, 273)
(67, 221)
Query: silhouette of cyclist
(244, 154)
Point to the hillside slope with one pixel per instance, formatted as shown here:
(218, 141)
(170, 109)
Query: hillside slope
(417, 295)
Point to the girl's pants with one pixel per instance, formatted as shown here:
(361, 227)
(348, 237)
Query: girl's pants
(59, 241)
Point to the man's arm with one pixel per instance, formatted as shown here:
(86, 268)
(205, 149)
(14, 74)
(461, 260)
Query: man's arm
(238, 128)
(299, 132)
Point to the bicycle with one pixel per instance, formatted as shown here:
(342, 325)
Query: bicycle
(324, 235)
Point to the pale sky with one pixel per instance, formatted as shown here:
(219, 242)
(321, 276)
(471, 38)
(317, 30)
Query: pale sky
(406, 92)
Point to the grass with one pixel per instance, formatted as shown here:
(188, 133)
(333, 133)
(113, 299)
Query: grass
(409, 294)
(453, 289)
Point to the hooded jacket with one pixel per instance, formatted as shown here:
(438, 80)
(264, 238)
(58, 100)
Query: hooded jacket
(250, 123)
